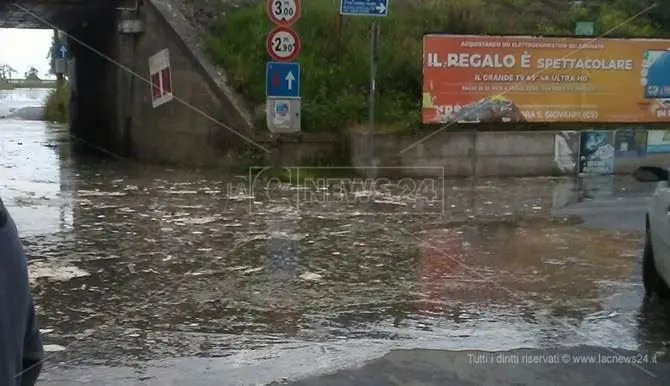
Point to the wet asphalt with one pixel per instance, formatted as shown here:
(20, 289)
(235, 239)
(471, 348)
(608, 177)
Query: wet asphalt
(145, 275)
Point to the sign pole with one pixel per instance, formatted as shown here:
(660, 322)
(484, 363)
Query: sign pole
(374, 56)
(282, 79)
(61, 56)
(374, 9)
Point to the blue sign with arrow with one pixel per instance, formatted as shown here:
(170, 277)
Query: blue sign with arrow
(282, 80)
(364, 7)
(60, 51)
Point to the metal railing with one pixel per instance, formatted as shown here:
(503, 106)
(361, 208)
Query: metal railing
(27, 83)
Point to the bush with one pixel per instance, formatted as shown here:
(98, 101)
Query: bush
(335, 53)
(56, 109)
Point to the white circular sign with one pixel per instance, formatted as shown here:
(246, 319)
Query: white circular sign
(283, 44)
(283, 12)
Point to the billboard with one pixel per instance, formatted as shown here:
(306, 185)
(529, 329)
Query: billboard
(630, 143)
(566, 151)
(596, 152)
(658, 141)
(536, 79)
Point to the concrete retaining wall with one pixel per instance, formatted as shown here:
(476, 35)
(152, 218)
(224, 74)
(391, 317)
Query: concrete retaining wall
(485, 154)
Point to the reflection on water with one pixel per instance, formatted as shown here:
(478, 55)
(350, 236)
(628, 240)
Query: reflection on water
(491, 282)
(11, 100)
(36, 181)
(138, 262)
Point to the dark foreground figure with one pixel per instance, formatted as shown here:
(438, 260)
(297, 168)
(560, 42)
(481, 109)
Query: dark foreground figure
(20, 343)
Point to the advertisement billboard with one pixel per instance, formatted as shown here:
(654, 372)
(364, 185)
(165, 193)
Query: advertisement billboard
(596, 152)
(658, 141)
(566, 151)
(536, 79)
(630, 143)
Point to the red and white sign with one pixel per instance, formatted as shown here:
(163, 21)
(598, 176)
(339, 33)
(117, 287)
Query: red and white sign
(283, 44)
(284, 12)
(161, 78)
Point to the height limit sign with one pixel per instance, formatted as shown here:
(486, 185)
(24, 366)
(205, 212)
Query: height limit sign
(283, 43)
(282, 77)
(284, 12)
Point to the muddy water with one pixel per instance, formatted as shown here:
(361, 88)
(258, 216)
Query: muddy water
(133, 263)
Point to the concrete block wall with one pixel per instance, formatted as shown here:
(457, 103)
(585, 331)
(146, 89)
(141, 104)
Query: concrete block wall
(484, 154)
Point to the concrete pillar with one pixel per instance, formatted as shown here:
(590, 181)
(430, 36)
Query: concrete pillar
(130, 26)
(92, 45)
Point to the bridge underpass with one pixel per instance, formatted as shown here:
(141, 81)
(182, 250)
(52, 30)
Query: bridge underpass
(112, 103)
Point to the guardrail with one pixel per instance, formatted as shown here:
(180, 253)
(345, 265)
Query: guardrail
(26, 83)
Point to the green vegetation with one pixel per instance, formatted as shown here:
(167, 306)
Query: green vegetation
(56, 106)
(335, 50)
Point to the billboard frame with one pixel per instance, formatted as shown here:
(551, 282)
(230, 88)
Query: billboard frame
(549, 125)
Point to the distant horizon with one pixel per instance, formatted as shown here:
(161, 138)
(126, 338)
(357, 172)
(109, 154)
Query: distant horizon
(25, 48)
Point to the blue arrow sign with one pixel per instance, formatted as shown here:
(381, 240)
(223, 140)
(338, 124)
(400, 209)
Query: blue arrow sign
(60, 51)
(364, 7)
(282, 80)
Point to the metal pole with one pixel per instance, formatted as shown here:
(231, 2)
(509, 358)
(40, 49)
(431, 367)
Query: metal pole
(59, 74)
(374, 56)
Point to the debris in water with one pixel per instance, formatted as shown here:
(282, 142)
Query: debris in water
(53, 348)
(310, 276)
(97, 193)
(253, 270)
(390, 202)
(602, 315)
(40, 269)
(180, 191)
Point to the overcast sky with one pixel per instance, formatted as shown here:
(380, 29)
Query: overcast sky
(24, 48)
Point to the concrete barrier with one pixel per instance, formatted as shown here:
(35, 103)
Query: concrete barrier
(485, 154)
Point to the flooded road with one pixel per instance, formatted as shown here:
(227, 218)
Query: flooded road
(146, 275)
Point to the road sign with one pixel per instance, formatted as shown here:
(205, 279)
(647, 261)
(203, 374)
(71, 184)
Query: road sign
(584, 28)
(282, 80)
(283, 44)
(60, 51)
(364, 7)
(161, 78)
(284, 12)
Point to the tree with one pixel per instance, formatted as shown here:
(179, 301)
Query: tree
(32, 74)
(50, 54)
(6, 72)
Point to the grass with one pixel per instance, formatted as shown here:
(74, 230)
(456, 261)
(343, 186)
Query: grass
(56, 105)
(335, 52)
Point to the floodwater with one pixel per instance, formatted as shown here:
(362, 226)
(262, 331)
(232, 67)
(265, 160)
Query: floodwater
(11, 101)
(137, 267)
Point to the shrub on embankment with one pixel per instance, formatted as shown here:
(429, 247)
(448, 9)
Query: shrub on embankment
(55, 109)
(335, 50)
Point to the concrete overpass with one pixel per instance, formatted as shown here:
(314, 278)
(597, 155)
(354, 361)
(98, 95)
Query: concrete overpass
(112, 101)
